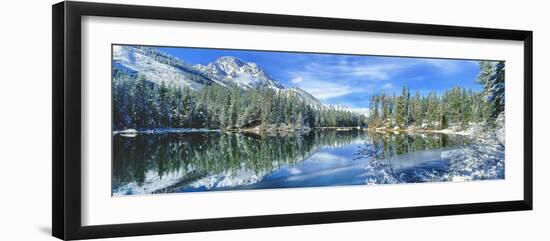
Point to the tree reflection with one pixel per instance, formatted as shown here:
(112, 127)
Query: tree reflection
(380, 149)
(196, 155)
(168, 162)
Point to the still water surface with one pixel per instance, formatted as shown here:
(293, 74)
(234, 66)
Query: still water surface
(208, 161)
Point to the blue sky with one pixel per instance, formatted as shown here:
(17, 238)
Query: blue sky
(348, 80)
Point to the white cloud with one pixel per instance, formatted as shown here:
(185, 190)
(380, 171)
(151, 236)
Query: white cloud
(387, 86)
(327, 157)
(324, 91)
(373, 72)
(417, 78)
(447, 66)
(333, 77)
(443, 65)
(294, 171)
(368, 71)
(297, 80)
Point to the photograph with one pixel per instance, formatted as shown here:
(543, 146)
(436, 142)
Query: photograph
(275, 120)
(192, 119)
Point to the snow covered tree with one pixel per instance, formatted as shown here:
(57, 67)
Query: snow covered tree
(496, 90)
(401, 109)
(492, 78)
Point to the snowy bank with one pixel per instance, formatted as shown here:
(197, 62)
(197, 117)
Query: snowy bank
(473, 129)
(480, 160)
(134, 132)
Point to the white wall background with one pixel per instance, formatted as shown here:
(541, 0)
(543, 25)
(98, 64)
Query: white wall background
(25, 121)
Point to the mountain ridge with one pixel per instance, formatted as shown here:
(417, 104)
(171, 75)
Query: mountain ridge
(229, 69)
(159, 67)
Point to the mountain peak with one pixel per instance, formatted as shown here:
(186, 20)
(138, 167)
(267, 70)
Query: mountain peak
(229, 69)
(158, 67)
(229, 64)
(230, 59)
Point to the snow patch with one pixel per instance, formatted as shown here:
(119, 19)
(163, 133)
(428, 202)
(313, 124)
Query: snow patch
(152, 182)
(229, 178)
(137, 60)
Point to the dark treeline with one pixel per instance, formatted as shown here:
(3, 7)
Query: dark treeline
(457, 105)
(140, 104)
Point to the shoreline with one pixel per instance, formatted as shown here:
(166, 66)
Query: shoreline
(129, 132)
(469, 131)
(381, 130)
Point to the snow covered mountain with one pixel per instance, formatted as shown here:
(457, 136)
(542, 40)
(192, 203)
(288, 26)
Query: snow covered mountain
(159, 67)
(306, 97)
(230, 70)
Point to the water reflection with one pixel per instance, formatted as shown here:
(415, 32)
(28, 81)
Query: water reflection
(203, 161)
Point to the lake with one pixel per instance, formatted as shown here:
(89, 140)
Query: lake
(213, 161)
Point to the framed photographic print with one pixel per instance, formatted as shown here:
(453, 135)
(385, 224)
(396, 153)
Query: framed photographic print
(170, 120)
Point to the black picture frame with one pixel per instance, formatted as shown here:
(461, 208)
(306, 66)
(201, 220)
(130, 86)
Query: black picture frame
(66, 128)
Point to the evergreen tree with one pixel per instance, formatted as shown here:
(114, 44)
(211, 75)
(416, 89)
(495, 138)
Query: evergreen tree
(401, 108)
(418, 112)
(138, 103)
(492, 78)
(496, 90)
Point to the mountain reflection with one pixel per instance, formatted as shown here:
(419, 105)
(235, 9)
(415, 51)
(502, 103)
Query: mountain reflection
(218, 160)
